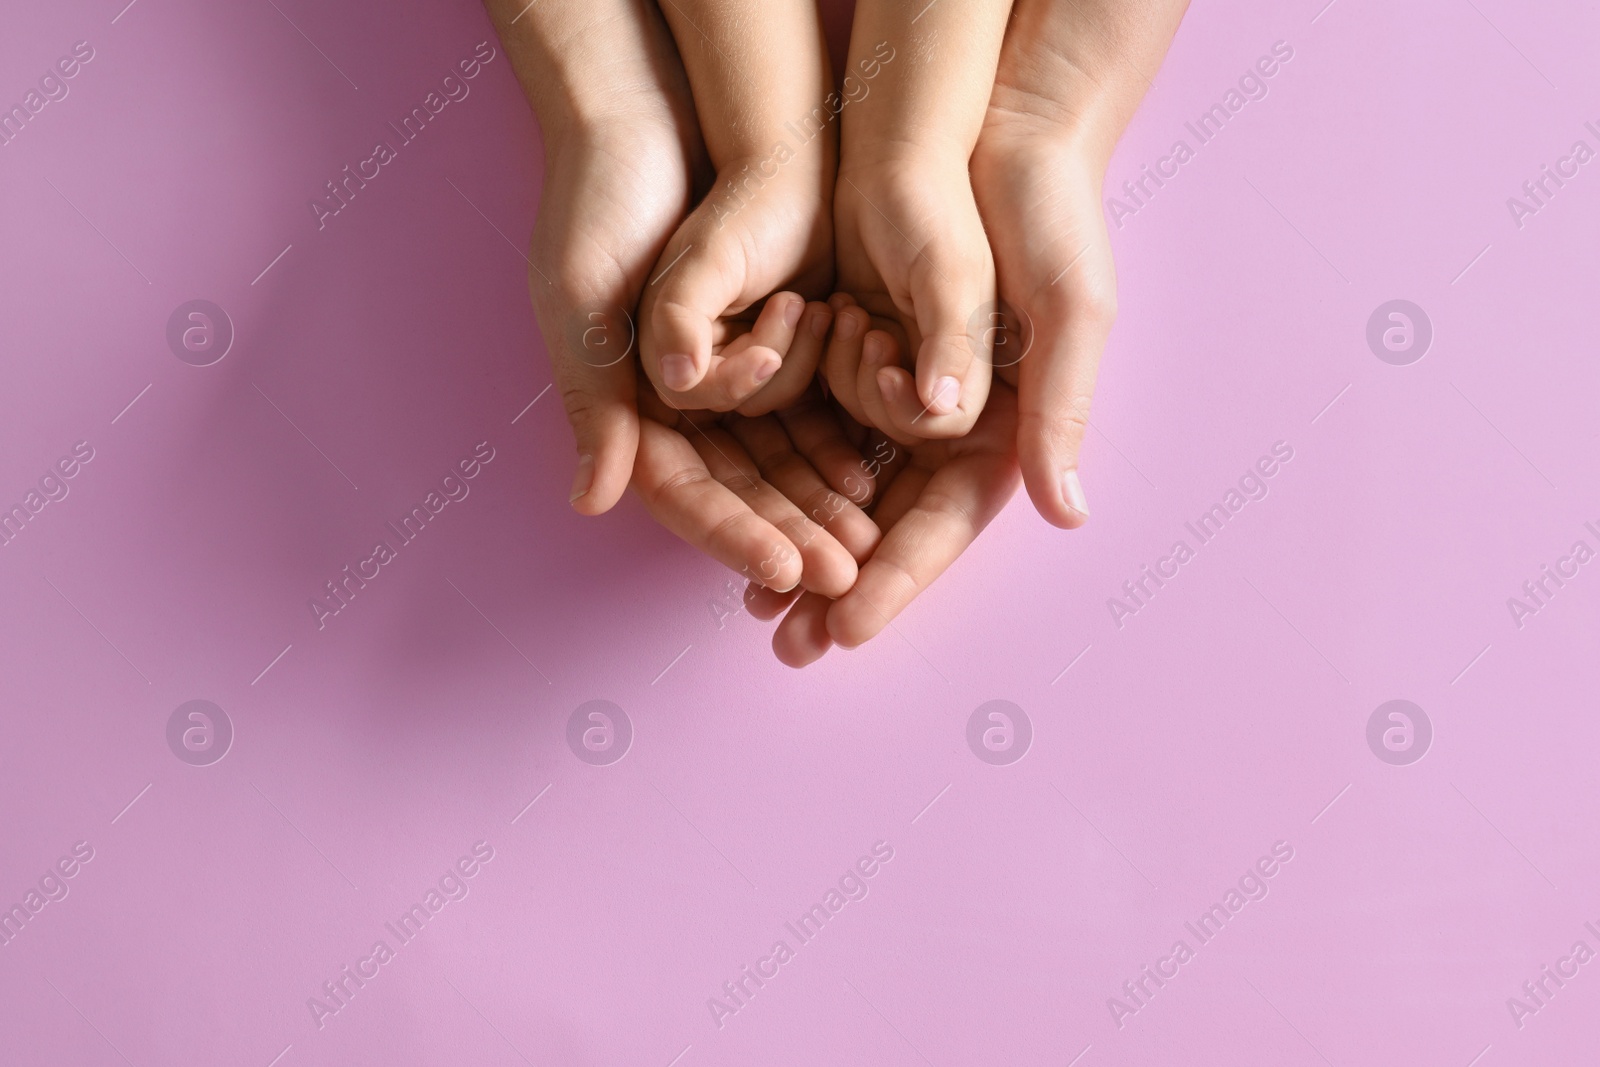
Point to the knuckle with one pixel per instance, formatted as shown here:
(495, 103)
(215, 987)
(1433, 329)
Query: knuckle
(1061, 428)
(685, 479)
(739, 482)
(1098, 302)
(726, 530)
(823, 505)
(582, 406)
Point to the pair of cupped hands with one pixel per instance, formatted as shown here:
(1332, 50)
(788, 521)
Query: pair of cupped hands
(824, 328)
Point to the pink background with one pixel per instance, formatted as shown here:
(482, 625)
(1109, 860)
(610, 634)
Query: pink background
(1176, 750)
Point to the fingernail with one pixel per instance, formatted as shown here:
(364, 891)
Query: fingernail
(583, 479)
(873, 350)
(677, 372)
(1072, 492)
(846, 327)
(946, 395)
(768, 369)
(792, 307)
(819, 324)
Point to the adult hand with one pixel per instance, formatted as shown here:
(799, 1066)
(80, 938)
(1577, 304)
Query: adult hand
(624, 160)
(929, 502)
(1070, 76)
(760, 494)
(623, 157)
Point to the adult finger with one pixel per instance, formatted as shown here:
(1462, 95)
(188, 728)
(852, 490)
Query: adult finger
(830, 532)
(954, 506)
(818, 435)
(802, 637)
(787, 471)
(1072, 319)
(767, 604)
(825, 565)
(678, 489)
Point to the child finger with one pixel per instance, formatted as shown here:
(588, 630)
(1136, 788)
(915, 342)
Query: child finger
(799, 362)
(842, 359)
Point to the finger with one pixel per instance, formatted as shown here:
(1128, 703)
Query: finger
(673, 481)
(849, 526)
(954, 506)
(801, 354)
(826, 565)
(1055, 385)
(767, 604)
(595, 375)
(886, 455)
(692, 289)
(818, 436)
(952, 381)
(954, 406)
(793, 497)
(774, 328)
(842, 360)
(802, 636)
(900, 494)
(879, 353)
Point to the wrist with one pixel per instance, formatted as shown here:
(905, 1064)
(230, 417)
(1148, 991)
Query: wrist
(892, 137)
(870, 160)
(1086, 127)
(584, 67)
(584, 107)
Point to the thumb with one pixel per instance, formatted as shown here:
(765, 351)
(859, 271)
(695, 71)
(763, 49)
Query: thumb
(700, 276)
(593, 365)
(685, 294)
(951, 281)
(1055, 385)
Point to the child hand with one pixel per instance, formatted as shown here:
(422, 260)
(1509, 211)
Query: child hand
(765, 225)
(913, 255)
(912, 251)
